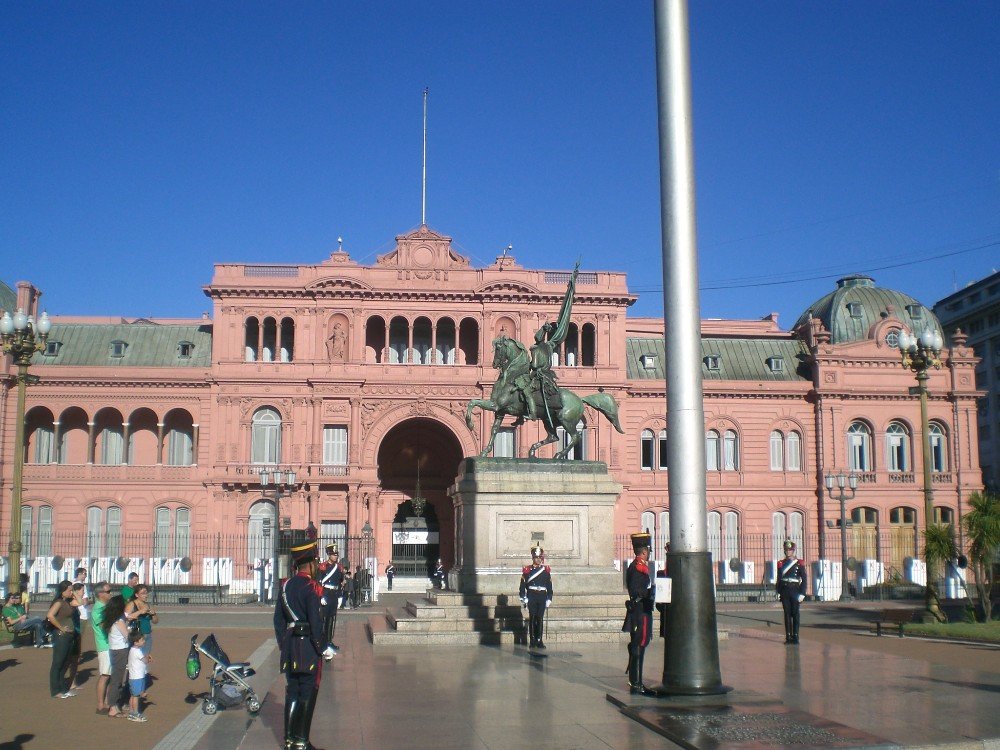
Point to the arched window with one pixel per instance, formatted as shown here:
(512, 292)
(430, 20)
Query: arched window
(777, 451)
(468, 341)
(270, 339)
(399, 332)
(786, 525)
(112, 531)
(42, 437)
(712, 446)
(265, 434)
(897, 448)
(646, 450)
(287, 340)
(944, 516)
(94, 519)
(732, 451)
(422, 341)
(251, 336)
(793, 451)
(180, 447)
(26, 516)
(445, 354)
(375, 340)
(663, 537)
(570, 346)
(647, 523)
(588, 344)
(715, 535)
(579, 452)
(260, 545)
(112, 446)
(661, 450)
(161, 536)
(939, 447)
(859, 447)
(45, 530)
(182, 532)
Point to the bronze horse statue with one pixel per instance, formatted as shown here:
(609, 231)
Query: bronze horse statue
(512, 360)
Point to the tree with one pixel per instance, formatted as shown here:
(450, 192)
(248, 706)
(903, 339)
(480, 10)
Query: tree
(939, 548)
(982, 526)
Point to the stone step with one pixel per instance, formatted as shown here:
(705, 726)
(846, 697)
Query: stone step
(454, 598)
(425, 610)
(380, 633)
(573, 624)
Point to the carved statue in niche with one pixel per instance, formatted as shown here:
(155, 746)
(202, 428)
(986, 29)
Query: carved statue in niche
(336, 345)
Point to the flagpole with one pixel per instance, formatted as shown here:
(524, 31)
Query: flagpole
(691, 653)
(423, 176)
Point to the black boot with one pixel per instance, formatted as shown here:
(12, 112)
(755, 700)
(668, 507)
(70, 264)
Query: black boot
(291, 710)
(642, 689)
(531, 631)
(633, 673)
(538, 632)
(301, 721)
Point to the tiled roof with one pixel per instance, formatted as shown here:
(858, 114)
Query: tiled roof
(146, 345)
(739, 359)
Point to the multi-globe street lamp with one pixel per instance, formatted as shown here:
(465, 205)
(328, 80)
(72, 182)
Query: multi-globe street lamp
(282, 483)
(20, 337)
(842, 481)
(920, 353)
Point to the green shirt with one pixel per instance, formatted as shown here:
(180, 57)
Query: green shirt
(13, 612)
(127, 593)
(96, 618)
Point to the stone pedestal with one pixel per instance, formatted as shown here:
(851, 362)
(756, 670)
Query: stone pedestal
(505, 506)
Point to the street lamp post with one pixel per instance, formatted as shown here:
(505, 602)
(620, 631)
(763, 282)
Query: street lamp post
(283, 482)
(920, 354)
(367, 536)
(20, 337)
(841, 481)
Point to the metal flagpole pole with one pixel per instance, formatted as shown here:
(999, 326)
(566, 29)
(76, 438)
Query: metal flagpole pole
(691, 656)
(423, 174)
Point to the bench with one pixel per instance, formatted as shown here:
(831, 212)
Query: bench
(898, 617)
(15, 635)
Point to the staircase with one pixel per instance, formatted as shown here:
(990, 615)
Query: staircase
(449, 617)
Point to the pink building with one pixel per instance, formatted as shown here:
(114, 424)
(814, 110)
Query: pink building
(145, 438)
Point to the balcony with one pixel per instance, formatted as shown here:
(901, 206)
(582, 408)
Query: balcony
(102, 473)
(902, 477)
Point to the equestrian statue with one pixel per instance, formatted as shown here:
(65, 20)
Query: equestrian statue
(527, 390)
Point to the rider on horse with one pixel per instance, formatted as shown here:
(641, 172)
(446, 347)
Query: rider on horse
(538, 384)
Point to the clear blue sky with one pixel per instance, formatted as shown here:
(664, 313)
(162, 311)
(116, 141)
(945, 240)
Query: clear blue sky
(143, 142)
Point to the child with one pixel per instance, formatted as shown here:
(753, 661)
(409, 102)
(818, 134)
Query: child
(136, 673)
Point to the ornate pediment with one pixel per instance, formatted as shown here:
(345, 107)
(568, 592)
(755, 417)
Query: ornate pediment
(423, 249)
(339, 284)
(506, 286)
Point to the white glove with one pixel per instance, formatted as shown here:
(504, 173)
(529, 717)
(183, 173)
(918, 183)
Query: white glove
(802, 597)
(524, 602)
(548, 602)
(323, 601)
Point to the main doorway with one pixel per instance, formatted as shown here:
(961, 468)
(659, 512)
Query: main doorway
(418, 460)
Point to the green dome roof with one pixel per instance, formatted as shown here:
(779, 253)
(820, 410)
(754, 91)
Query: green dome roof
(850, 311)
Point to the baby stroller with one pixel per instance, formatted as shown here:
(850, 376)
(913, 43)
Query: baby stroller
(228, 681)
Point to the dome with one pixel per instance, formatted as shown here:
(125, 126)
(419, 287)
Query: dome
(851, 311)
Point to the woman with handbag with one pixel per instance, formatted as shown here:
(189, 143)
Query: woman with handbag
(115, 627)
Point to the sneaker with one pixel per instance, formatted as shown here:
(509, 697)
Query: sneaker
(64, 695)
(136, 717)
(46, 645)
(71, 693)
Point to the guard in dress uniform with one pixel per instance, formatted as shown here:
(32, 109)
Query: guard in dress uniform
(298, 627)
(331, 578)
(390, 573)
(638, 611)
(535, 593)
(439, 576)
(791, 586)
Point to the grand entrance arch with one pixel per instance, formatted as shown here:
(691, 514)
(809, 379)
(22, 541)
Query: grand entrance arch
(420, 538)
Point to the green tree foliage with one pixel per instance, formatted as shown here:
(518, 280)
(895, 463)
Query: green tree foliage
(939, 548)
(982, 527)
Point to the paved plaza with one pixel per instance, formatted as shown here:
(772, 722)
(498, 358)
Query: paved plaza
(907, 692)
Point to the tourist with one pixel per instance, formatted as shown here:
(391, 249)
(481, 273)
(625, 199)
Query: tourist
(136, 674)
(16, 618)
(115, 627)
(139, 609)
(60, 616)
(102, 593)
